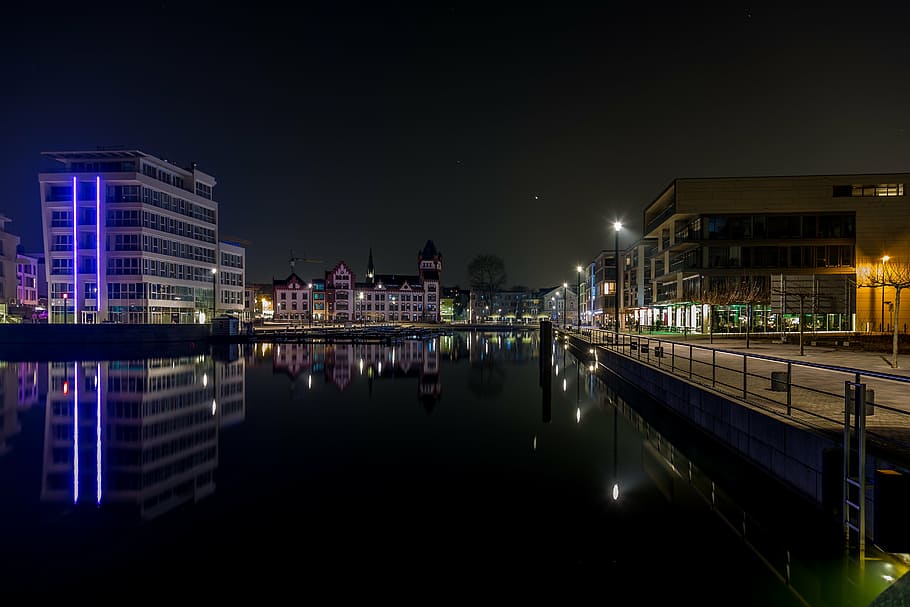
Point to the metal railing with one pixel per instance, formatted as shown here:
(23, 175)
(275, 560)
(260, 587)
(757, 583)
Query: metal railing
(811, 394)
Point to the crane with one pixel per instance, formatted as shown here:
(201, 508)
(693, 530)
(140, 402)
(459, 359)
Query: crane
(294, 259)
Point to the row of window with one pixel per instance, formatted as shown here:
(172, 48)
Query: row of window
(230, 260)
(173, 248)
(823, 256)
(232, 297)
(162, 175)
(176, 204)
(745, 227)
(231, 279)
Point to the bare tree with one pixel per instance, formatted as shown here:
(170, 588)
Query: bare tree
(487, 274)
(718, 293)
(751, 291)
(894, 274)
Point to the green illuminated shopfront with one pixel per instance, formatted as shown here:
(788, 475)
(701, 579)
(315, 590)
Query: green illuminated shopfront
(763, 252)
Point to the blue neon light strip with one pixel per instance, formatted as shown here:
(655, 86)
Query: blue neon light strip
(75, 262)
(75, 432)
(98, 432)
(98, 253)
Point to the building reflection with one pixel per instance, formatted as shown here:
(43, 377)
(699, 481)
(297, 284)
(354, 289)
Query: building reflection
(515, 346)
(19, 384)
(138, 432)
(341, 363)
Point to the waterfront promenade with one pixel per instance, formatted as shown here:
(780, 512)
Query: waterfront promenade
(807, 389)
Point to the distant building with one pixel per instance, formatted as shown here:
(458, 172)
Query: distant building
(26, 280)
(258, 301)
(8, 247)
(520, 305)
(132, 238)
(40, 275)
(339, 298)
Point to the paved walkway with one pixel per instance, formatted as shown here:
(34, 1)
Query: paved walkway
(814, 395)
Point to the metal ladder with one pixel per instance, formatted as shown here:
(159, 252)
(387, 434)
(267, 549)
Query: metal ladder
(854, 498)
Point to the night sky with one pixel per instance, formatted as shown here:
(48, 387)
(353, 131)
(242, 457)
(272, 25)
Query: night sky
(518, 130)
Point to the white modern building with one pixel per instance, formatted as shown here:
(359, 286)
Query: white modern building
(132, 238)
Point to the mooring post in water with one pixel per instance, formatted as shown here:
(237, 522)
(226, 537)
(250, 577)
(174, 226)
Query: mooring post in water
(546, 366)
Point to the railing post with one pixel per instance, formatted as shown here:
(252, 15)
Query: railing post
(673, 357)
(745, 378)
(690, 361)
(714, 367)
(789, 391)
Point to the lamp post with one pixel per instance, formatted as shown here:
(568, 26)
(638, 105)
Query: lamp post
(360, 306)
(214, 294)
(578, 293)
(882, 323)
(66, 297)
(617, 226)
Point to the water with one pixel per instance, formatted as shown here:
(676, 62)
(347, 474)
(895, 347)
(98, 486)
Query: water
(433, 466)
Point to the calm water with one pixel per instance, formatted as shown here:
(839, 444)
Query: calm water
(438, 465)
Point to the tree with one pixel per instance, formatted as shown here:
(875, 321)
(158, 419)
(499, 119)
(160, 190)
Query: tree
(894, 274)
(487, 274)
(751, 291)
(718, 293)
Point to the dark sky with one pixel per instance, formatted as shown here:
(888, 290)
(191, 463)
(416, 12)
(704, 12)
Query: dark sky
(516, 130)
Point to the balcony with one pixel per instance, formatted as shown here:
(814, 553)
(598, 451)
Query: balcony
(658, 219)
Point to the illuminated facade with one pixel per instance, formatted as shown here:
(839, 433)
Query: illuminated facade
(381, 298)
(796, 237)
(131, 238)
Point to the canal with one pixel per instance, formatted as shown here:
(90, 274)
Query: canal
(436, 465)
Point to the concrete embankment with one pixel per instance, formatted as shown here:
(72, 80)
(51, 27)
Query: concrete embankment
(790, 452)
(108, 341)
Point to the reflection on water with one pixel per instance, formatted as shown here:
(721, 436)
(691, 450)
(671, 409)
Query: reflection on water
(529, 456)
(18, 391)
(143, 432)
(798, 543)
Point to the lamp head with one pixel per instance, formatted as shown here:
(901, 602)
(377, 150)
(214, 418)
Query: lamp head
(214, 271)
(578, 269)
(617, 225)
(885, 258)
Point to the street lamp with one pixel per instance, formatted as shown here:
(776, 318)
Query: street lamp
(360, 305)
(617, 226)
(882, 324)
(578, 308)
(214, 293)
(66, 297)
